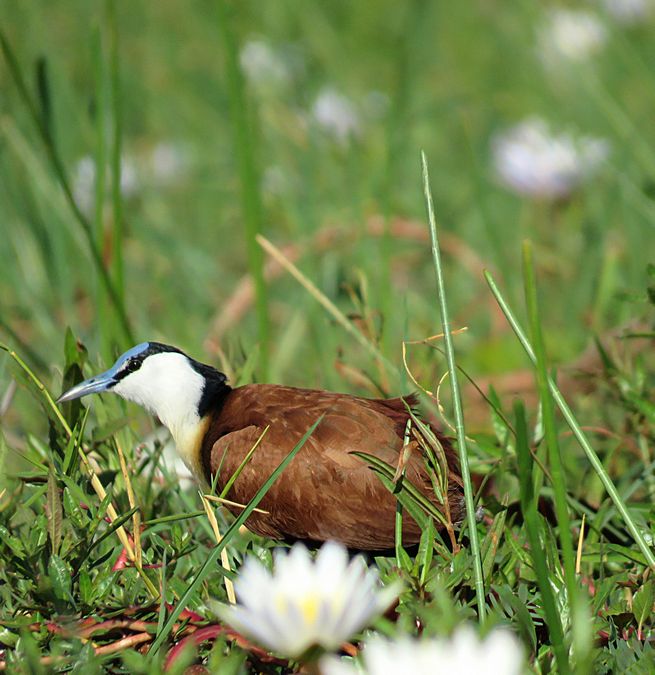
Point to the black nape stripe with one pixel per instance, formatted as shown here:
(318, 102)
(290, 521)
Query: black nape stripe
(215, 388)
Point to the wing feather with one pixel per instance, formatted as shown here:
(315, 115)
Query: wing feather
(325, 492)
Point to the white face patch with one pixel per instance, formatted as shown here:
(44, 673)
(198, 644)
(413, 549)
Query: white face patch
(169, 387)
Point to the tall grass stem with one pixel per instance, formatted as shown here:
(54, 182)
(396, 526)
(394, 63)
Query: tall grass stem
(457, 401)
(531, 519)
(103, 322)
(550, 428)
(60, 173)
(244, 147)
(320, 297)
(116, 150)
(593, 458)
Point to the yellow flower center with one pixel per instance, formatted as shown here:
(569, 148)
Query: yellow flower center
(309, 608)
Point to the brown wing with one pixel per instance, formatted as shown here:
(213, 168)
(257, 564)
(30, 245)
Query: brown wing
(325, 492)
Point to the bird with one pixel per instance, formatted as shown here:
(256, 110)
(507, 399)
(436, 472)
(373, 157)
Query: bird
(326, 492)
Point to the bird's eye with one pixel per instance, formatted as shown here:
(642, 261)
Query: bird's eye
(127, 367)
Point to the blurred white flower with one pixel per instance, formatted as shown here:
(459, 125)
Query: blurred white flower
(628, 11)
(168, 162)
(532, 160)
(499, 653)
(306, 603)
(264, 66)
(84, 181)
(570, 35)
(336, 115)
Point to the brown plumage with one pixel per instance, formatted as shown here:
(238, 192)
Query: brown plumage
(326, 492)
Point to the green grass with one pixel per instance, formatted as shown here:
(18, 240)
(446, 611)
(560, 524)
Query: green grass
(164, 261)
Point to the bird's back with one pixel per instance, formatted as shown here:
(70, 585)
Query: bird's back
(326, 492)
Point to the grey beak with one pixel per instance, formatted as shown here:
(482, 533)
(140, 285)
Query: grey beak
(93, 385)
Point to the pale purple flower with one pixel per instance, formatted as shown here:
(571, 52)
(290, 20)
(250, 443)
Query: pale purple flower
(569, 35)
(264, 65)
(628, 11)
(336, 114)
(532, 160)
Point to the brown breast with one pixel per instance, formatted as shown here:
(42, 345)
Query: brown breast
(325, 492)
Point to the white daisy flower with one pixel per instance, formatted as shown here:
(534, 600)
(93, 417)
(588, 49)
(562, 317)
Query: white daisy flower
(532, 160)
(570, 35)
(628, 11)
(499, 653)
(306, 603)
(336, 115)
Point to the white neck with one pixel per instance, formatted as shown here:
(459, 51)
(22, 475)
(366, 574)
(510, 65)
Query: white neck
(169, 387)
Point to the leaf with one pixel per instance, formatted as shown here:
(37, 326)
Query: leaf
(86, 588)
(53, 512)
(521, 614)
(60, 578)
(73, 511)
(642, 602)
(492, 541)
(13, 542)
(500, 425)
(425, 550)
(75, 355)
(532, 528)
(43, 93)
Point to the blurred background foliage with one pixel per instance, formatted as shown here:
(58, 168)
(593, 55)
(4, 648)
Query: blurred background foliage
(439, 76)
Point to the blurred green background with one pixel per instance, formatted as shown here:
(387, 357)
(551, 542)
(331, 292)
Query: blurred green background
(397, 77)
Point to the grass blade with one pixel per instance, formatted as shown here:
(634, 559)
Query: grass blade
(116, 151)
(327, 304)
(593, 458)
(241, 467)
(60, 173)
(457, 402)
(210, 564)
(95, 481)
(550, 429)
(53, 512)
(529, 508)
(404, 490)
(251, 202)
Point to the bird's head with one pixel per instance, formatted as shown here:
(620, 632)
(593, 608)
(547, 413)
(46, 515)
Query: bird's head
(162, 379)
